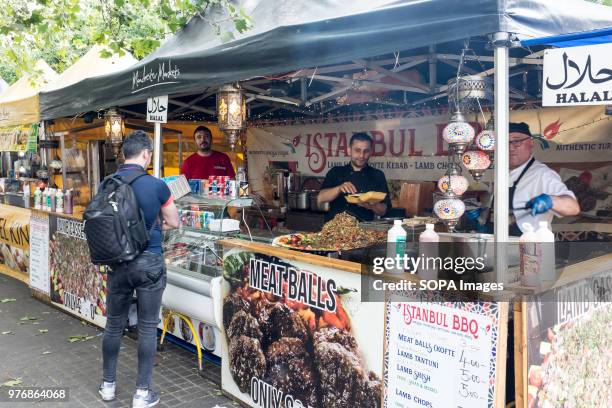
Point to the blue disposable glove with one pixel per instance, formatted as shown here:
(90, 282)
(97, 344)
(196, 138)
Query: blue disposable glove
(540, 204)
(473, 214)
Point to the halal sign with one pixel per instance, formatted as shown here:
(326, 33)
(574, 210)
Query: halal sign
(157, 109)
(578, 76)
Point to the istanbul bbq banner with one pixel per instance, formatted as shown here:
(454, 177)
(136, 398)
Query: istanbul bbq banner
(411, 147)
(77, 285)
(297, 335)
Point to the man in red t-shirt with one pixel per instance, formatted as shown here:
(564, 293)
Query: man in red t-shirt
(206, 162)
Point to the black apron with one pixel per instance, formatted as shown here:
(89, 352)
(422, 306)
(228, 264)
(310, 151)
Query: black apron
(513, 229)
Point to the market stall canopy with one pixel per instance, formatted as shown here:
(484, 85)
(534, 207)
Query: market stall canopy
(19, 104)
(291, 35)
(90, 65)
(602, 36)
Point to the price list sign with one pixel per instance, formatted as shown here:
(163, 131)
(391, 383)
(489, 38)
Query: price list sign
(444, 354)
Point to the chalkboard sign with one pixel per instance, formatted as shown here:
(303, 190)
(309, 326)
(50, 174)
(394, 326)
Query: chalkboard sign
(445, 354)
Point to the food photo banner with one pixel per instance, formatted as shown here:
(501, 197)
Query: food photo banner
(14, 241)
(77, 285)
(567, 337)
(412, 148)
(298, 335)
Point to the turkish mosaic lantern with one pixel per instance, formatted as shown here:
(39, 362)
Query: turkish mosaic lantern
(476, 161)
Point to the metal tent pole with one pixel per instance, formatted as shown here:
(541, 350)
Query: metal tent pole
(501, 42)
(157, 146)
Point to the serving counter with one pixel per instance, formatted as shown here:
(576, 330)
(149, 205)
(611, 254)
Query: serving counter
(284, 321)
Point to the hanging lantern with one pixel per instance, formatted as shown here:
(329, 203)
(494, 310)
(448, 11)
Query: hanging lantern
(476, 161)
(458, 133)
(231, 112)
(485, 140)
(114, 130)
(449, 209)
(457, 183)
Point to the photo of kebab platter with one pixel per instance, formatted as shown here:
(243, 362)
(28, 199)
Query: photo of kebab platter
(575, 368)
(301, 338)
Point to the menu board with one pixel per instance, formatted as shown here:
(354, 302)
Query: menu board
(567, 336)
(444, 354)
(39, 252)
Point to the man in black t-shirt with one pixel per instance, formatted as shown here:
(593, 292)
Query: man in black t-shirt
(355, 177)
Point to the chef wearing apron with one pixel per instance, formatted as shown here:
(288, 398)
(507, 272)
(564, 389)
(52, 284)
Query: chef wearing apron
(536, 191)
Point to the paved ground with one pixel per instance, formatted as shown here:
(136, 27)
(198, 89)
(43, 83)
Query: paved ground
(39, 354)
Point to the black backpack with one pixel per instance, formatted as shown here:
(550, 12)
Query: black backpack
(114, 223)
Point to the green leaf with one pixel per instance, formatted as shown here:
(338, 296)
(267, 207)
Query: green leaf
(6, 300)
(241, 25)
(13, 382)
(226, 36)
(119, 3)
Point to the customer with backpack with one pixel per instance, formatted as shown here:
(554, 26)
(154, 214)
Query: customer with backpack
(138, 265)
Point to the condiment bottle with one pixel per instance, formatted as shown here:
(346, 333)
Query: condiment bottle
(428, 247)
(59, 201)
(68, 202)
(530, 257)
(396, 245)
(546, 237)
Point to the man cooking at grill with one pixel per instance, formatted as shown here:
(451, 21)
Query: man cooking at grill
(355, 177)
(536, 191)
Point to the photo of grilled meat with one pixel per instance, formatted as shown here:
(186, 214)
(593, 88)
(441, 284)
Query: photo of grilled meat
(247, 360)
(244, 324)
(289, 369)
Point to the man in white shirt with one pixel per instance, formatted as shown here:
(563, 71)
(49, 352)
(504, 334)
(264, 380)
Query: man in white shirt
(536, 191)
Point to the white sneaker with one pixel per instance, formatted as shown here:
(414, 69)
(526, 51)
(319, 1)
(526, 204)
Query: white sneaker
(145, 399)
(107, 391)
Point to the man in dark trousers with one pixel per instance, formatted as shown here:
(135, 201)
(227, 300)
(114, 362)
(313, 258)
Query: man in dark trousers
(146, 275)
(355, 177)
(206, 162)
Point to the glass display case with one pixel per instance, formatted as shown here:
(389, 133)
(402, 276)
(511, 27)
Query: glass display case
(193, 248)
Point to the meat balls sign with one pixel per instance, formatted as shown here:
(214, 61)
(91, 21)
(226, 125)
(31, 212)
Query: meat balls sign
(301, 286)
(290, 342)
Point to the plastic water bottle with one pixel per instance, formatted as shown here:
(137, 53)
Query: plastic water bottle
(38, 199)
(530, 255)
(548, 272)
(59, 201)
(68, 202)
(51, 200)
(396, 244)
(44, 195)
(26, 196)
(428, 247)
